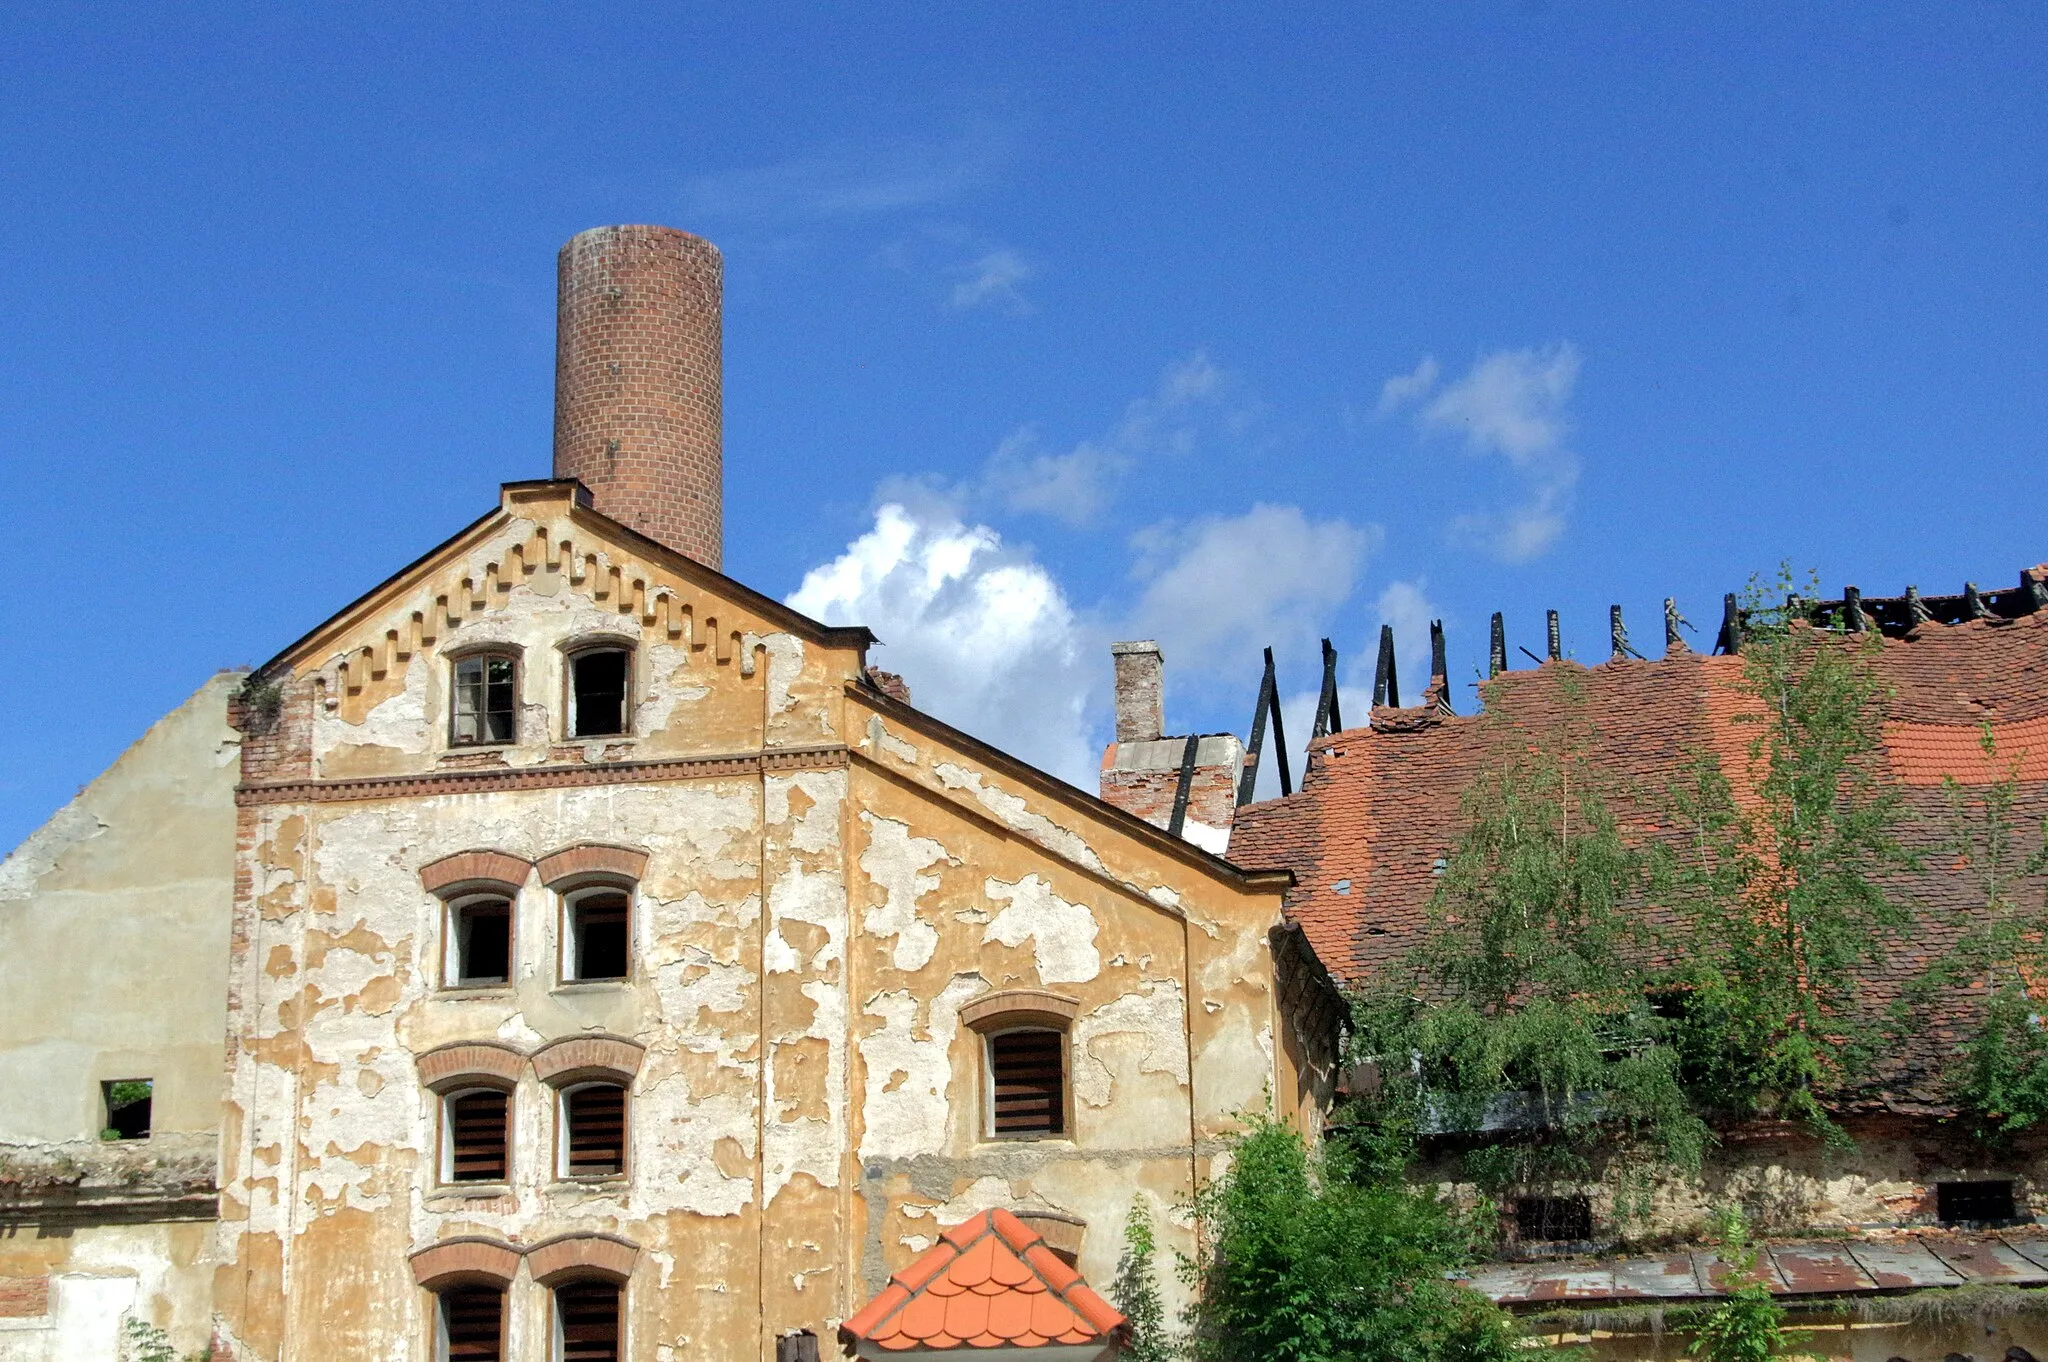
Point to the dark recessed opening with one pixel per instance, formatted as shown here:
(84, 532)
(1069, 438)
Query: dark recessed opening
(596, 1118)
(598, 680)
(587, 1321)
(127, 1102)
(473, 1323)
(483, 942)
(1990, 1201)
(597, 925)
(1026, 1073)
(1546, 1219)
(485, 700)
(477, 1135)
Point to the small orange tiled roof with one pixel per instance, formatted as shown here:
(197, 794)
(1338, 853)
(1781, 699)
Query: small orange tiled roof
(990, 1282)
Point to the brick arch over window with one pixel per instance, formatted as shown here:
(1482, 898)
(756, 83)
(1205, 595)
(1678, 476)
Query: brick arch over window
(470, 1260)
(592, 859)
(584, 1059)
(1020, 1007)
(572, 1256)
(484, 1064)
(468, 871)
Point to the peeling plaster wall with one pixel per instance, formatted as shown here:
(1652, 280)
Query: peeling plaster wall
(114, 924)
(810, 921)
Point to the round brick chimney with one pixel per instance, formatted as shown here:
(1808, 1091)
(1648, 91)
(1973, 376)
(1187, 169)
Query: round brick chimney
(638, 411)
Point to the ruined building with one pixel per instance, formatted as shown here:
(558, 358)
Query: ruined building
(567, 952)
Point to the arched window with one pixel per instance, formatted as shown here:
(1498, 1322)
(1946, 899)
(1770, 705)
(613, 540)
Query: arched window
(1024, 1035)
(600, 691)
(589, 1320)
(472, 1323)
(593, 1139)
(484, 701)
(596, 927)
(476, 1135)
(479, 941)
(467, 1275)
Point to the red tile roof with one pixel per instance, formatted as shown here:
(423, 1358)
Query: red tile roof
(1379, 806)
(990, 1282)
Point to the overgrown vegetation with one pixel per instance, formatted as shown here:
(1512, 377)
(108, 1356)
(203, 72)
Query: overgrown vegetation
(1749, 1324)
(1136, 1291)
(1309, 1256)
(142, 1341)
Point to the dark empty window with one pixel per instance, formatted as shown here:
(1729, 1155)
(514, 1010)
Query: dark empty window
(485, 699)
(480, 942)
(1027, 1082)
(597, 935)
(597, 693)
(587, 1322)
(473, 1324)
(1541, 1218)
(594, 1124)
(477, 1123)
(127, 1102)
(1962, 1203)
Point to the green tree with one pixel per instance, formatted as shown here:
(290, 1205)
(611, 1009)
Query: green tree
(1749, 1325)
(1136, 1290)
(1305, 1262)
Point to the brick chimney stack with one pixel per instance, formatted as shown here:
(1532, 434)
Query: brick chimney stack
(1140, 690)
(638, 375)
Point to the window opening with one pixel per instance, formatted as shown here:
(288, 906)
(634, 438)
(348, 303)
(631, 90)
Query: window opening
(473, 1324)
(480, 942)
(801, 1346)
(485, 699)
(587, 1322)
(594, 1115)
(478, 1138)
(1553, 1218)
(1961, 1203)
(127, 1103)
(597, 693)
(597, 935)
(1028, 1082)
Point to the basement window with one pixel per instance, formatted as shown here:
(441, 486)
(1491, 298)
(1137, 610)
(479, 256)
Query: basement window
(1990, 1202)
(1027, 1083)
(595, 942)
(594, 1131)
(476, 1135)
(1553, 1219)
(479, 942)
(598, 687)
(126, 1103)
(587, 1321)
(472, 1324)
(486, 700)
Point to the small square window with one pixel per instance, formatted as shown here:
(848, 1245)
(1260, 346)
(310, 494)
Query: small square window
(127, 1102)
(479, 943)
(477, 1143)
(597, 935)
(598, 692)
(1990, 1202)
(486, 700)
(1027, 1082)
(1553, 1219)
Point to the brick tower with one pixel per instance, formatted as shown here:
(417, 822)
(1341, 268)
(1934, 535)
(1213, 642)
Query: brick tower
(638, 411)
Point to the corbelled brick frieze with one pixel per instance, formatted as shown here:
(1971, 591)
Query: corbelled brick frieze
(475, 867)
(579, 1058)
(470, 1259)
(579, 1255)
(623, 862)
(541, 777)
(474, 1061)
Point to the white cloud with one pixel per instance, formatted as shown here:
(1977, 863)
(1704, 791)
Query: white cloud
(1512, 403)
(1219, 589)
(1402, 389)
(994, 280)
(845, 180)
(1077, 484)
(984, 636)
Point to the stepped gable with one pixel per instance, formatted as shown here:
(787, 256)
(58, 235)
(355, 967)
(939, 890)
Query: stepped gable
(1379, 806)
(990, 1282)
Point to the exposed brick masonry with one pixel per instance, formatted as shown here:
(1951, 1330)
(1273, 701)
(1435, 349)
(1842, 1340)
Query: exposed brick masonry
(24, 1297)
(638, 379)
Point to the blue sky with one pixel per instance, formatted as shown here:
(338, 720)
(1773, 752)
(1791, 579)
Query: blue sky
(1086, 314)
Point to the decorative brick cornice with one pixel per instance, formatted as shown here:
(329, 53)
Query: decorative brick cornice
(541, 777)
(469, 1260)
(582, 1255)
(475, 868)
(592, 859)
(482, 1062)
(1019, 1007)
(579, 1059)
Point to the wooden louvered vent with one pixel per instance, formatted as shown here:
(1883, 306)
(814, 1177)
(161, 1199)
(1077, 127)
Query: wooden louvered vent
(473, 1317)
(1027, 1069)
(596, 1117)
(477, 1136)
(587, 1314)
